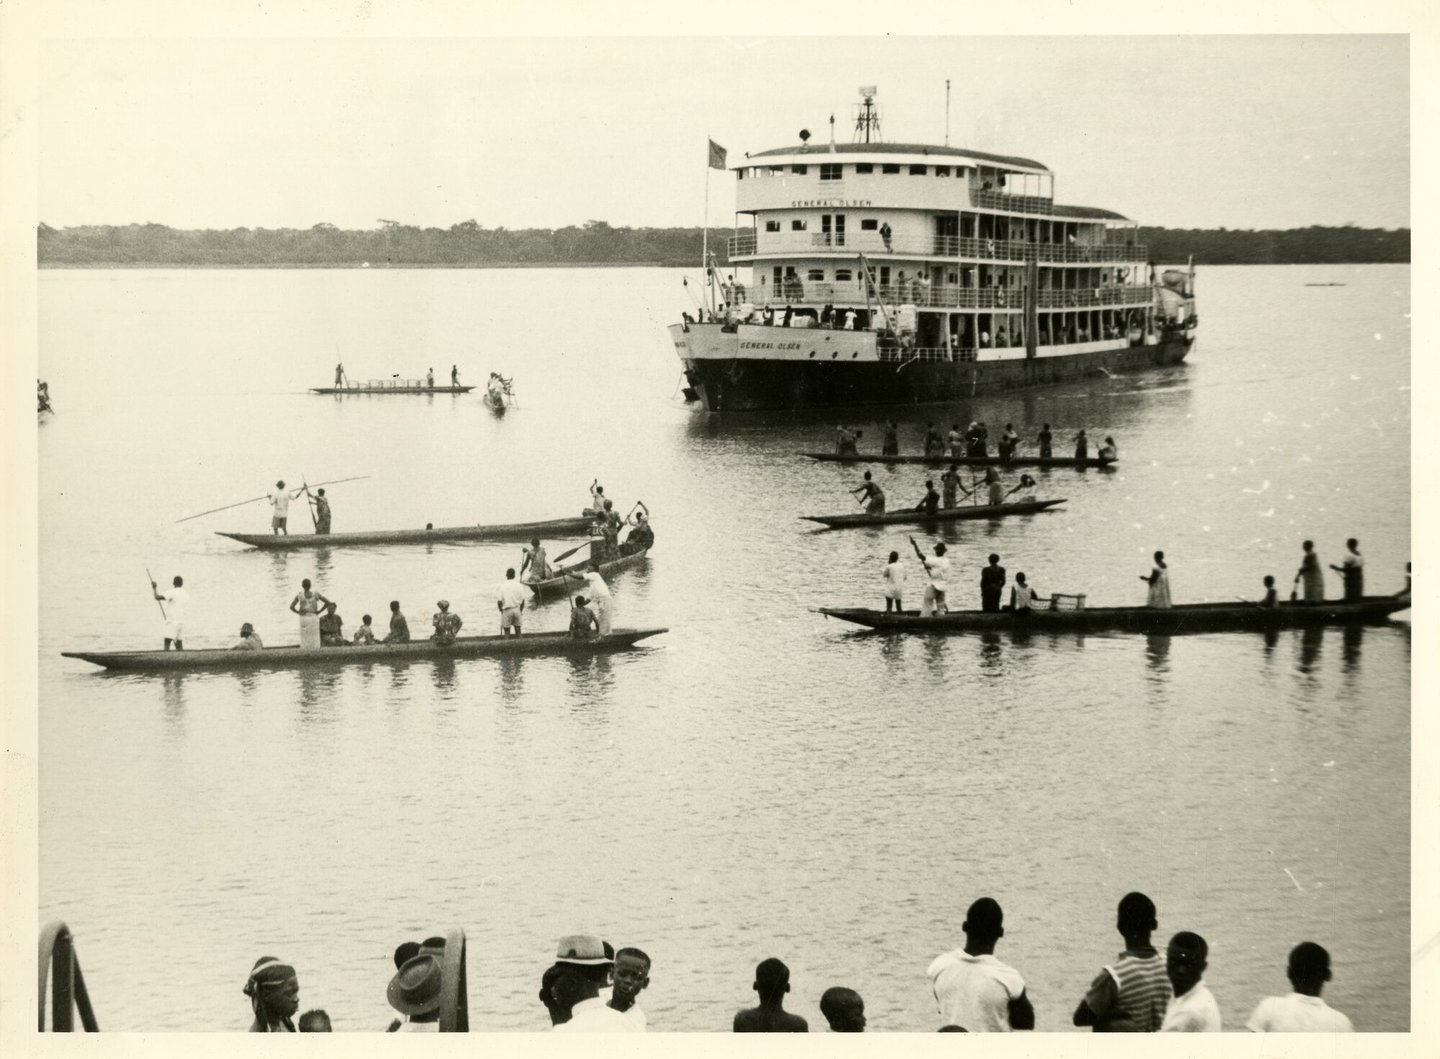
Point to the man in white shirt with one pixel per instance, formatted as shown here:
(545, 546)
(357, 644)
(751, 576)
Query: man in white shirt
(511, 603)
(280, 509)
(1302, 1011)
(1192, 1009)
(632, 974)
(973, 989)
(175, 603)
(601, 601)
(938, 569)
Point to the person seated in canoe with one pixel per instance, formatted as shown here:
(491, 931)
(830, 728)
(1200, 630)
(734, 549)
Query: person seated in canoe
(536, 565)
(1108, 451)
(1272, 598)
(597, 499)
(365, 635)
(583, 623)
(447, 625)
(871, 495)
(1026, 482)
(931, 501)
(607, 548)
(641, 535)
(249, 639)
(1022, 596)
(332, 628)
(399, 627)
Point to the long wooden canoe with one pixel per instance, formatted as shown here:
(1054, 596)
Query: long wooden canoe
(512, 531)
(944, 514)
(1185, 618)
(379, 387)
(1051, 462)
(292, 657)
(570, 580)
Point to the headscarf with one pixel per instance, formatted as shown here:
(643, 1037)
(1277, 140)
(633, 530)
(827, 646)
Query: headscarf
(269, 974)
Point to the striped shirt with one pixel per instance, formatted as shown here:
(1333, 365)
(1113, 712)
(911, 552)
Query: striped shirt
(1129, 996)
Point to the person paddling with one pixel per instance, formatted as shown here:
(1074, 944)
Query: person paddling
(938, 570)
(871, 495)
(177, 600)
(930, 503)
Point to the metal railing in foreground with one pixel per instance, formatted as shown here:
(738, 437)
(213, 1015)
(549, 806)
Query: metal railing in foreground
(60, 968)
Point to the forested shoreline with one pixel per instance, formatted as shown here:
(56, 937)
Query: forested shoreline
(596, 243)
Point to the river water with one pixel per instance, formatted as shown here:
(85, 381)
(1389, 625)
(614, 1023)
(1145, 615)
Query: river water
(760, 781)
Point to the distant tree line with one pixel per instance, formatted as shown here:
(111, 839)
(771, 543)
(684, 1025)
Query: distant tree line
(467, 245)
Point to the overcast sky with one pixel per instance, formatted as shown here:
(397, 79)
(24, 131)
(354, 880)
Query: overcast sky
(1180, 131)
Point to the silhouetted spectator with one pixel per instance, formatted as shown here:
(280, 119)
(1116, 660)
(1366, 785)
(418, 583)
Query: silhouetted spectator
(772, 982)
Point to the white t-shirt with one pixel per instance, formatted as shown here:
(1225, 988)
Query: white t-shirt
(1195, 1012)
(280, 501)
(597, 591)
(1297, 1013)
(975, 991)
(894, 580)
(177, 601)
(597, 1016)
(419, 1027)
(938, 567)
(1024, 596)
(512, 594)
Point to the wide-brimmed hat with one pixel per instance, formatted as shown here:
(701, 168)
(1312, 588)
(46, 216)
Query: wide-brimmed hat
(582, 950)
(415, 989)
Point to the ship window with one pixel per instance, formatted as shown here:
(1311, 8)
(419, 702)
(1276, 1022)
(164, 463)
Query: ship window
(799, 169)
(843, 275)
(776, 170)
(889, 167)
(797, 226)
(772, 226)
(917, 170)
(942, 170)
(739, 174)
(864, 167)
(869, 225)
(830, 172)
(815, 274)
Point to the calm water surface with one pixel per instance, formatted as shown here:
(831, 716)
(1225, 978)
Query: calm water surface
(761, 781)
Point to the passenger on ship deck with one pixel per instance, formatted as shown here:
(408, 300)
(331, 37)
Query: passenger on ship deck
(871, 495)
(1271, 599)
(1310, 577)
(416, 992)
(332, 627)
(827, 315)
(891, 444)
(1352, 569)
(399, 627)
(1001, 339)
(1129, 995)
(844, 1010)
(849, 319)
(1302, 1011)
(1159, 582)
(1045, 440)
(274, 992)
(583, 623)
(249, 639)
(1192, 1008)
(930, 503)
(447, 625)
(1108, 451)
(772, 982)
(536, 565)
(885, 234)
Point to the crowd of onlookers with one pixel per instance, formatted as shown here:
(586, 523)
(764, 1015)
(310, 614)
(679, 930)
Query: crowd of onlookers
(593, 987)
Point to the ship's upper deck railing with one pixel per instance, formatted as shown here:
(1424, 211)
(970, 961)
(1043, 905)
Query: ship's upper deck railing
(930, 297)
(746, 244)
(989, 199)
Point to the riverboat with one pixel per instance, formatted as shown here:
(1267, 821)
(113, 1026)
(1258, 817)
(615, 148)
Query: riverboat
(1043, 462)
(292, 657)
(899, 273)
(944, 514)
(1185, 618)
(511, 531)
(389, 387)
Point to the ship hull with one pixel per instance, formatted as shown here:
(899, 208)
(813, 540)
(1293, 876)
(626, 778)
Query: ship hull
(733, 384)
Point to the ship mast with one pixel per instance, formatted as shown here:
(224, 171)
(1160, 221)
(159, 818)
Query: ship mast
(867, 116)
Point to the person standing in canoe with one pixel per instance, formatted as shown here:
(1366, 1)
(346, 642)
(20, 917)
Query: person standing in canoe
(176, 601)
(891, 444)
(308, 605)
(957, 442)
(1045, 440)
(950, 483)
(937, 569)
(1352, 569)
(871, 495)
(511, 603)
(1159, 582)
(454, 376)
(1082, 447)
(934, 443)
(1008, 443)
(930, 503)
(339, 375)
(994, 488)
(601, 601)
(609, 525)
(536, 565)
(322, 512)
(280, 508)
(1310, 577)
(430, 378)
(894, 584)
(992, 584)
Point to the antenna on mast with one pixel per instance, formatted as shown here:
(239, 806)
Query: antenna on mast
(867, 116)
(947, 112)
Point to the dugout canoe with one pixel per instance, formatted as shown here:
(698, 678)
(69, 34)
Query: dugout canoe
(1047, 462)
(1185, 618)
(378, 388)
(944, 514)
(570, 581)
(512, 531)
(293, 657)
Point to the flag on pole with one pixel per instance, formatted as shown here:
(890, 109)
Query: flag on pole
(717, 156)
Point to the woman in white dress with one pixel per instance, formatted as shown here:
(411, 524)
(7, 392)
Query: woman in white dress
(894, 584)
(308, 605)
(1159, 582)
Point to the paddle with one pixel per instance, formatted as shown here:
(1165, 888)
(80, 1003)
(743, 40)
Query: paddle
(565, 555)
(158, 601)
(309, 503)
(253, 499)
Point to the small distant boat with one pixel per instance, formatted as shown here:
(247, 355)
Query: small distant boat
(1185, 618)
(521, 531)
(944, 514)
(498, 393)
(389, 386)
(569, 580)
(1094, 462)
(292, 657)
(1324, 284)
